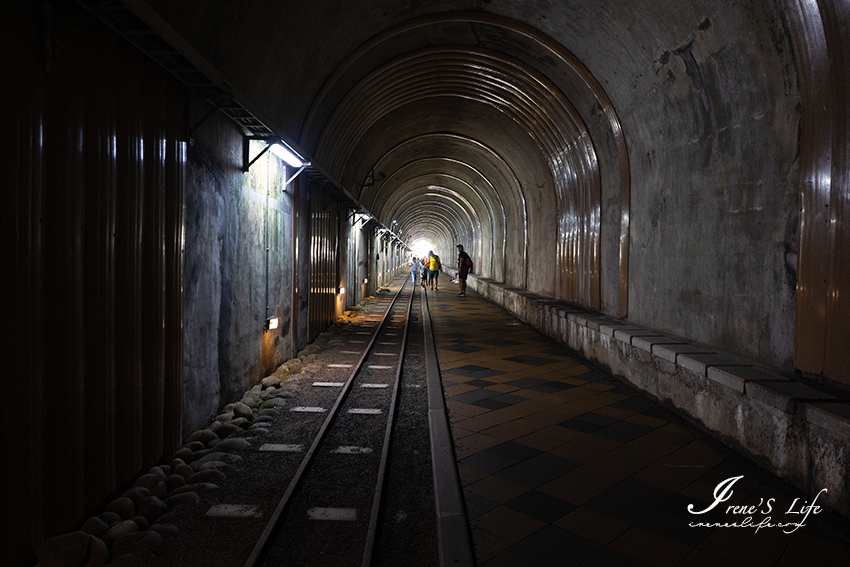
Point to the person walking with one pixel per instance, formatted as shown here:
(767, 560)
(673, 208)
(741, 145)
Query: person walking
(434, 267)
(414, 269)
(464, 267)
(424, 267)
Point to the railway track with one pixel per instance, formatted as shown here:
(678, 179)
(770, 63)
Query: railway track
(330, 511)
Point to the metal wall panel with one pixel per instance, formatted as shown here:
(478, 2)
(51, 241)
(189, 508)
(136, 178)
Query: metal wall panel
(92, 212)
(324, 270)
(837, 355)
(821, 36)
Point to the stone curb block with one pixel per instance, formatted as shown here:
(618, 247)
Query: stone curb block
(700, 363)
(646, 343)
(786, 395)
(832, 416)
(737, 377)
(670, 352)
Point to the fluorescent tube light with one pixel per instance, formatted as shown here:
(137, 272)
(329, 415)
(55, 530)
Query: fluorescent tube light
(286, 155)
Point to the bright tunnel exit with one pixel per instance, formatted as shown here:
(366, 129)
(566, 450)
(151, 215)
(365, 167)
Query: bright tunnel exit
(421, 248)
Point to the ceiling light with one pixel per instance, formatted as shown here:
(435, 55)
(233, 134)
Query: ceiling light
(286, 155)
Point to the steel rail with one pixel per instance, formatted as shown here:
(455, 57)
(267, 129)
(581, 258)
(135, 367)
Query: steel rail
(265, 540)
(379, 485)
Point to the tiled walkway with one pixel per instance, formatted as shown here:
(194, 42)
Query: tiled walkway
(561, 464)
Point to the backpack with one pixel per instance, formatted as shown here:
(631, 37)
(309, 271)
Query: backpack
(439, 264)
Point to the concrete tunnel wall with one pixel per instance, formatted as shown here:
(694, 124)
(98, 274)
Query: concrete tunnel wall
(225, 345)
(232, 285)
(685, 167)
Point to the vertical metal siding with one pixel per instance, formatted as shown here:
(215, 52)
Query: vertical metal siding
(577, 183)
(92, 334)
(324, 268)
(837, 355)
(821, 38)
(21, 157)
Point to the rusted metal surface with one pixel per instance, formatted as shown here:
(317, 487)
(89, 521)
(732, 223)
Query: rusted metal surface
(821, 38)
(93, 326)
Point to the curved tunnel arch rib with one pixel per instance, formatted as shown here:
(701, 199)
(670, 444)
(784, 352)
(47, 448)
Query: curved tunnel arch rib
(491, 176)
(425, 187)
(500, 82)
(463, 215)
(442, 226)
(529, 101)
(579, 242)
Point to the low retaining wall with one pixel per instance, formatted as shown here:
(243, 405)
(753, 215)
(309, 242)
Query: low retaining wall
(796, 428)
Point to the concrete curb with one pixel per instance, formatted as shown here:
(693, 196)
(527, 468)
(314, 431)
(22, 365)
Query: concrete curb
(454, 537)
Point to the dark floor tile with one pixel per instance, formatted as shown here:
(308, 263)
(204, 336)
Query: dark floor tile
(491, 404)
(474, 396)
(541, 506)
(479, 383)
(728, 469)
(629, 501)
(500, 342)
(563, 547)
(527, 383)
(552, 463)
(531, 360)
(674, 527)
(624, 431)
(600, 377)
(677, 505)
(541, 385)
(477, 505)
(588, 422)
(466, 370)
(474, 371)
(527, 475)
(556, 351)
(635, 404)
(514, 450)
(607, 557)
(520, 557)
(548, 389)
(510, 399)
(560, 386)
(488, 462)
(657, 412)
(464, 348)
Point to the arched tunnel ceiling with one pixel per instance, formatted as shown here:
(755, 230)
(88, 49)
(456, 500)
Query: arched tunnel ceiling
(515, 104)
(349, 93)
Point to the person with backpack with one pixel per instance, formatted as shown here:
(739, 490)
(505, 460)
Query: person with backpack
(434, 268)
(464, 267)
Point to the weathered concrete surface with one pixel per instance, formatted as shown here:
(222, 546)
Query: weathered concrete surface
(226, 349)
(713, 124)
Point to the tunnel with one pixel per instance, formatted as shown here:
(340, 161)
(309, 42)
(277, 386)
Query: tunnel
(677, 171)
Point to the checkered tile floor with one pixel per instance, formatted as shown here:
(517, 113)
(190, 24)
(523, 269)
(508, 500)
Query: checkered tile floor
(561, 464)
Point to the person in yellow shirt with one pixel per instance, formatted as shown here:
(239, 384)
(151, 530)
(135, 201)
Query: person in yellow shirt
(434, 270)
